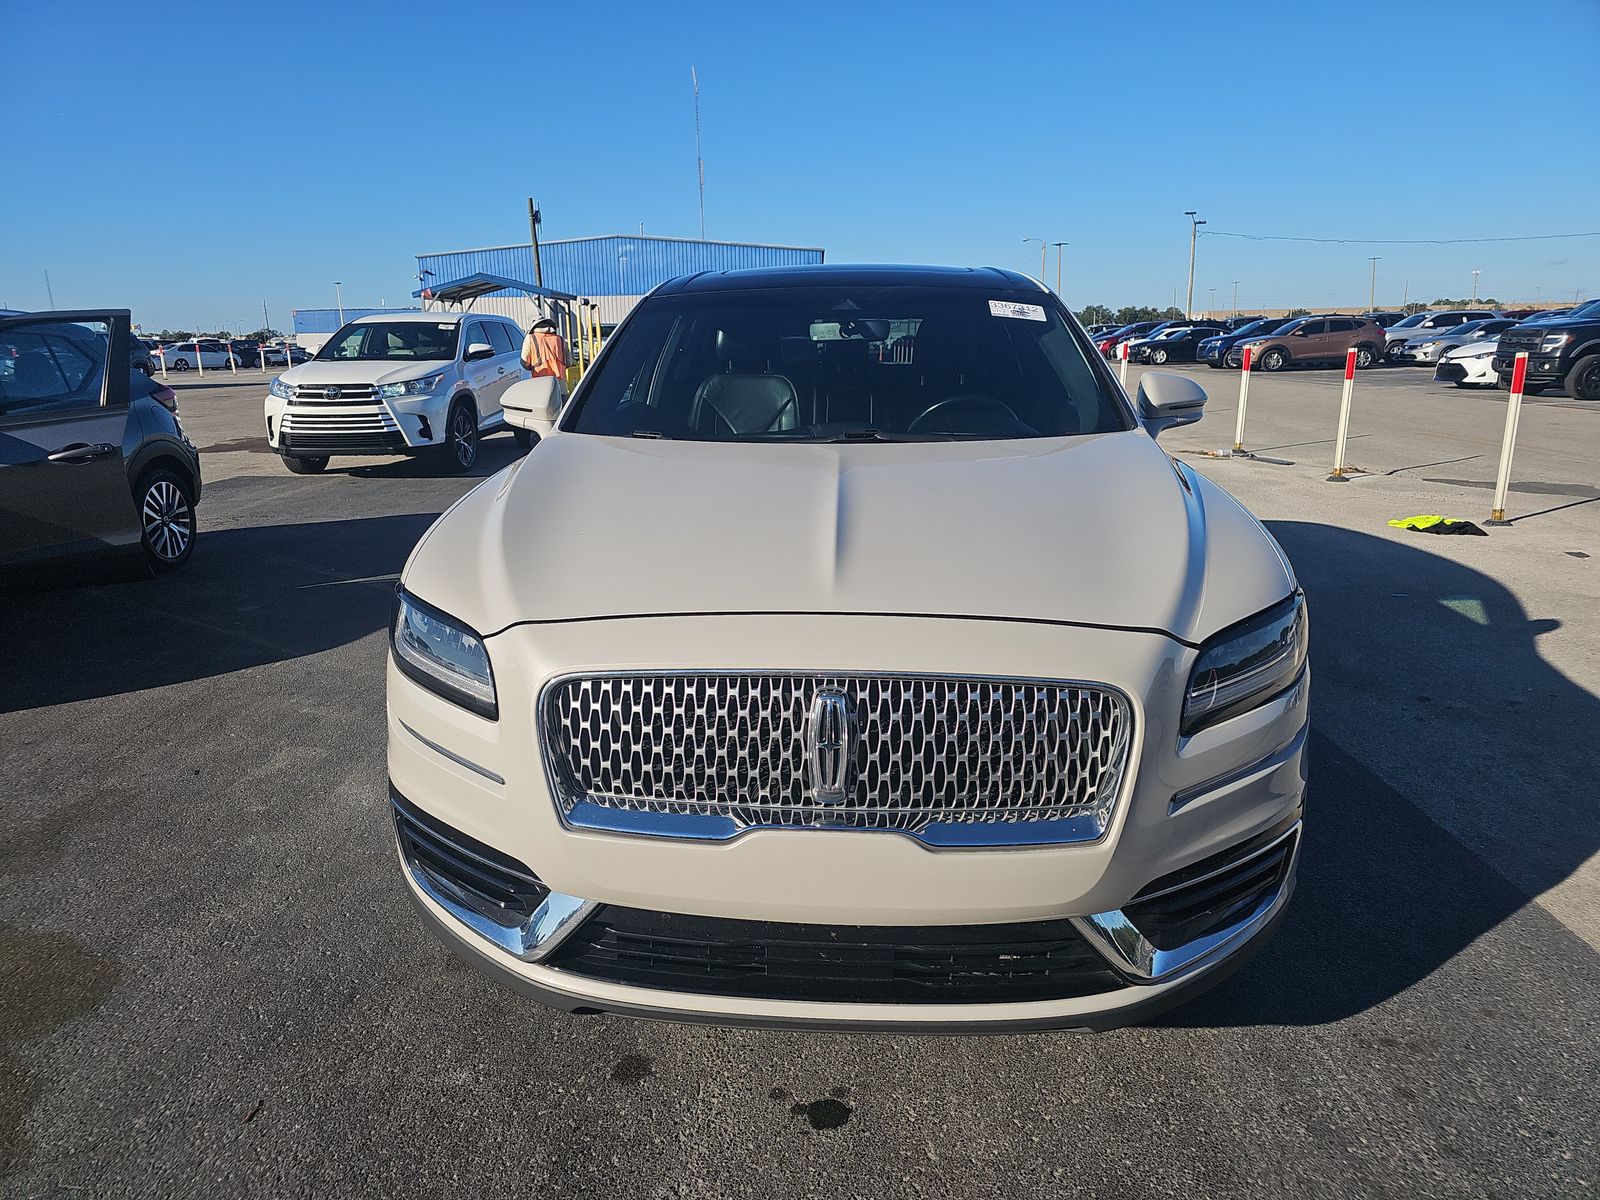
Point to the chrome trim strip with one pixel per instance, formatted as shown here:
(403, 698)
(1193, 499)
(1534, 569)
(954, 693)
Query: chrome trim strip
(453, 757)
(1237, 862)
(557, 916)
(587, 816)
(1119, 939)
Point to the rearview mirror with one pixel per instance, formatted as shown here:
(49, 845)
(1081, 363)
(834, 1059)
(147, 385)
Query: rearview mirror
(1167, 401)
(533, 404)
(479, 350)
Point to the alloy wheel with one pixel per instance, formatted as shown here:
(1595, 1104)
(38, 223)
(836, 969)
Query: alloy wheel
(168, 521)
(464, 438)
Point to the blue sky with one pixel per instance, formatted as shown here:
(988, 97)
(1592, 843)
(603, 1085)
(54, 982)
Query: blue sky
(930, 132)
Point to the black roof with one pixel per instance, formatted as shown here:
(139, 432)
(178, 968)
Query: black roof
(851, 275)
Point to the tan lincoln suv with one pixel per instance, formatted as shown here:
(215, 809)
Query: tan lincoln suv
(1315, 340)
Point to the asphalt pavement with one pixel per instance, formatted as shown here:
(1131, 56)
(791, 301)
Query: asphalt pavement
(212, 982)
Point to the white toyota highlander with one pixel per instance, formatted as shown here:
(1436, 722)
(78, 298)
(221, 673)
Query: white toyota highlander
(397, 383)
(847, 653)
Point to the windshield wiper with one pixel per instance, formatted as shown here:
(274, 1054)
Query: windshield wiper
(653, 434)
(867, 434)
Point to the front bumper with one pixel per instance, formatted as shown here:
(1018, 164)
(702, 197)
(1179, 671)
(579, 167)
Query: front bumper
(368, 426)
(1184, 802)
(1541, 368)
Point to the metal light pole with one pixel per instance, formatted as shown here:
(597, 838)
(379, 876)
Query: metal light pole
(1212, 311)
(1044, 248)
(1236, 297)
(1058, 246)
(1475, 275)
(338, 296)
(1194, 232)
(1372, 289)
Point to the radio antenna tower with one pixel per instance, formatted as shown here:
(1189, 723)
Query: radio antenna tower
(699, 159)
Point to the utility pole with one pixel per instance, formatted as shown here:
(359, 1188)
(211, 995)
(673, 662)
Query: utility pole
(1058, 246)
(1372, 288)
(1194, 232)
(49, 291)
(1236, 297)
(1475, 274)
(535, 217)
(338, 296)
(265, 323)
(699, 156)
(1044, 248)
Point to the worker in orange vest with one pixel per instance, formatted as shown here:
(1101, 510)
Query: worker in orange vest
(544, 352)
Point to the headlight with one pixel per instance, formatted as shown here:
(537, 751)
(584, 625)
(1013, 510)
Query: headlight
(1246, 665)
(442, 655)
(411, 387)
(280, 389)
(1554, 341)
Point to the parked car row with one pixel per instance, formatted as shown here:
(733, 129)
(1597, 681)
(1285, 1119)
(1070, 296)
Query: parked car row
(213, 354)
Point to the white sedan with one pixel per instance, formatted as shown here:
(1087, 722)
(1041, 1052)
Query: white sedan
(185, 356)
(1472, 364)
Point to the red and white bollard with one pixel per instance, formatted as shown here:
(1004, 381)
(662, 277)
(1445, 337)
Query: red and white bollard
(1508, 444)
(233, 363)
(1338, 475)
(1122, 376)
(1244, 399)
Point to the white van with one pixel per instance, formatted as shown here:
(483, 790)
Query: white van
(399, 383)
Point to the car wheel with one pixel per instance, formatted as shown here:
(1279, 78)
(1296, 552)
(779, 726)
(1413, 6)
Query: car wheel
(1583, 381)
(180, 364)
(1274, 360)
(1364, 357)
(460, 450)
(523, 438)
(1393, 353)
(306, 465)
(166, 519)
(1158, 356)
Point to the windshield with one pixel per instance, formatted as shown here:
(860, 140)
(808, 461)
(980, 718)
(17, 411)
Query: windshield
(847, 363)
(392, 341)
(1590, 308)
(1412, 321)
(1266, 325)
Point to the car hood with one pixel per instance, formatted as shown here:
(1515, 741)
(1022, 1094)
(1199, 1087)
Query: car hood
(311, 373)
(1100, 530)
(1481, 348)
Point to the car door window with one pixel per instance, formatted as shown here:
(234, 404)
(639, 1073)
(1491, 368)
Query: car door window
(500, 338)
(1314, 328)
(476, 334)
(1341, 326)
(51, 367)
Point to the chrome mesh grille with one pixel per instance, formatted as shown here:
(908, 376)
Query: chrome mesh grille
(926, 749)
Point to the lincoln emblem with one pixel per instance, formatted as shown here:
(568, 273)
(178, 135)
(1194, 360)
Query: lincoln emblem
(830, 745)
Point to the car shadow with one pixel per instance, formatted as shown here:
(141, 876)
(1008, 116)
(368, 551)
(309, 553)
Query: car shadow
(1432, 711)
(248, 597)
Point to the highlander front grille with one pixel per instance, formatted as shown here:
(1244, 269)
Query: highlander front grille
(343, 393)
(957, 760)
(370, 421)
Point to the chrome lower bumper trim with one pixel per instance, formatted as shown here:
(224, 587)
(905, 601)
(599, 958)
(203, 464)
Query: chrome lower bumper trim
(532, 941)
(1115, 935)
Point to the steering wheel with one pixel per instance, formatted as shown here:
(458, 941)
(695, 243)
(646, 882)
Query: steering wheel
(971, 404)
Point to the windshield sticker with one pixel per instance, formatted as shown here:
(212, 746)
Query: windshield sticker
(448, 325)
(1018, 312)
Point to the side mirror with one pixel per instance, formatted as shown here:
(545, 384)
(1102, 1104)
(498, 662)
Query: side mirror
(479, 350)
(533, 404)
(1167, 401)
(1298, 333)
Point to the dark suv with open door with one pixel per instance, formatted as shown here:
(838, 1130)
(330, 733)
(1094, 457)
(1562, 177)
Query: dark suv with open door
(92, 457)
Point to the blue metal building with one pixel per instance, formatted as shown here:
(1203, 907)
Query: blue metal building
(613, 271)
